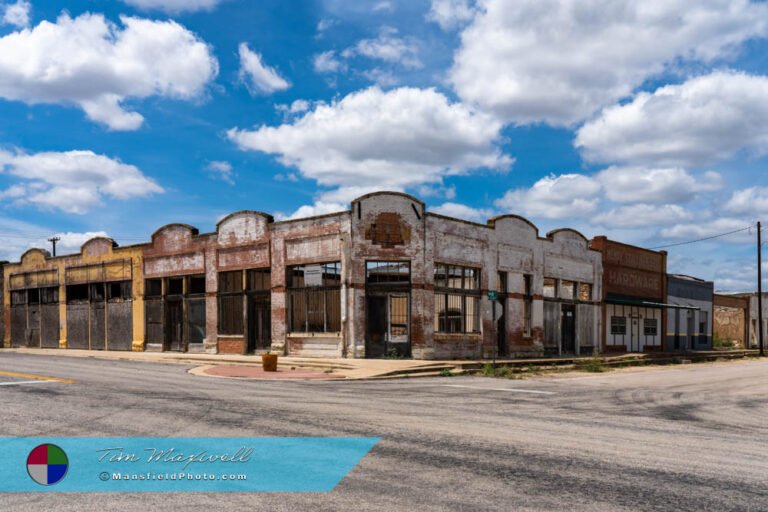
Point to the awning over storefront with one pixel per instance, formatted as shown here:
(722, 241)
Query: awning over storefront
(647, 304)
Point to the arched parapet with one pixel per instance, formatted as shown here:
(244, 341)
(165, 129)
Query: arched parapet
(514, 229)
(173, 237)
(97, 247)
(568, 236)
(242, 227)
(34, 257)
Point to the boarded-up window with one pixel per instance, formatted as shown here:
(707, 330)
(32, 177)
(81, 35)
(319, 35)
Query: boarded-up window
(258, 280)
(585, 292)
(550, 287)
(527, 304)
(567, 290)
(314, 297)
(49, 295)
(231, 302)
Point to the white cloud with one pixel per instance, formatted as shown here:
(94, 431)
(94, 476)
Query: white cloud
(642, 215)
(462, 211)
(559, 61)
(90, 62)
(319, 208)
(696, 230)
(289, 176)
(73, 181)
(17, 236)
(383, 5)
(17, 14)
(749, 201)
(387, 47)
(296, 107)
(324, 24)
(221, 170)
(174, 6)
(703, 120)
(381, 77)
(70, 242)
(396, 139)
(258, 77)
(450, 14)
(554, 197)
(326, 62)
(665, 185)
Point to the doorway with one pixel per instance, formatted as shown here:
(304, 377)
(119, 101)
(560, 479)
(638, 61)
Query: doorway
(387, 332)
(568, 329)
(259, 323)
(175, 325)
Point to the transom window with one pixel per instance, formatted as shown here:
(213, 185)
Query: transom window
(387, 272)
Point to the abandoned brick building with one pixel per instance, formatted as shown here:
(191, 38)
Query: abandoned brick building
(383, 278)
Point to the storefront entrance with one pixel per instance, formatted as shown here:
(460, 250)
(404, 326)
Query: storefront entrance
(259, 321)
(387, 309)
(568, 329)
(387, 320)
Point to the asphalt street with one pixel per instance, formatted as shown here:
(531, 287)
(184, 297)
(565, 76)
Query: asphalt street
(691, 437)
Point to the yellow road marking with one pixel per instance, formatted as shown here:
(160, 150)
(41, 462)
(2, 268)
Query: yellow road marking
(35, 377)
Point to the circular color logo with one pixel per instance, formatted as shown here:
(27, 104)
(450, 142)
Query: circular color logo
(47, 464)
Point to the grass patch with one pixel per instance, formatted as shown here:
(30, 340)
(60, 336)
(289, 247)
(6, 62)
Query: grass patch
(594, 364)
(446, 372)
(720, 344)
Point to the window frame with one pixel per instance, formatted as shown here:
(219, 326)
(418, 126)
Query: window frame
(331, 282)
(618, 328)
(468, 295)
(650, 327)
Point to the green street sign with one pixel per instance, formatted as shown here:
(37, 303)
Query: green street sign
(493, 295)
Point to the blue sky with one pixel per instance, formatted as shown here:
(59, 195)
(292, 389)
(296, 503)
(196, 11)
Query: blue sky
(642, 121)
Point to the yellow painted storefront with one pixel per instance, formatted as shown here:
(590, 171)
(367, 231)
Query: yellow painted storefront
(33, 285)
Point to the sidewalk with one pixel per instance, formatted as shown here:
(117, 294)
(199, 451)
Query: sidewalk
(337, 368)
(357, 369)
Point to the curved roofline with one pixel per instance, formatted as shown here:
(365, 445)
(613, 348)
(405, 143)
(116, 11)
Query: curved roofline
(46, 254)
(312, 217)
(552, 233)
(108, 239)
(267, 216)
(492, 220)
(389, 193)
(189, 227)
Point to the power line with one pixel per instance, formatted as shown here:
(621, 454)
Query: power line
(703, 239)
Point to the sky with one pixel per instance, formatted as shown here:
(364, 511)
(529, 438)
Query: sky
(643, 121)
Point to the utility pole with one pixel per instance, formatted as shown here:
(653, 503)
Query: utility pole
(760, 290)
(55, 239)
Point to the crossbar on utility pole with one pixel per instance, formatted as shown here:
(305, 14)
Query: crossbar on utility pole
(53, 241)
(760, 290)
